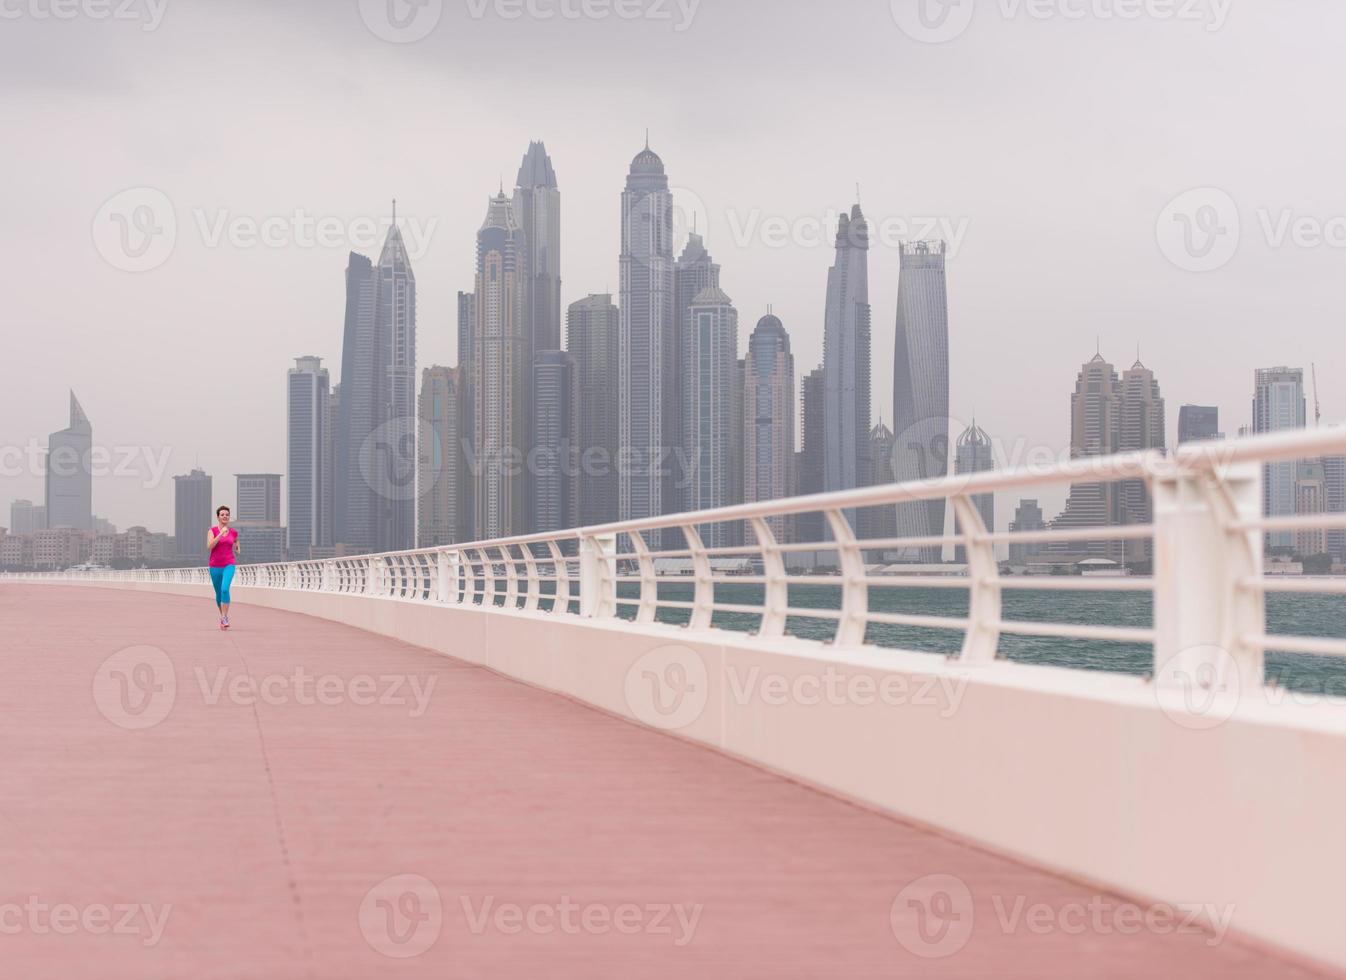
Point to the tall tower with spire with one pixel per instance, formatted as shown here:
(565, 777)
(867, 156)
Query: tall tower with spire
(694, 272)
(921, 388)
(846, 357)
(69, 492)
(500, 375)
(390, 460)
(647, 370)
(537, 209)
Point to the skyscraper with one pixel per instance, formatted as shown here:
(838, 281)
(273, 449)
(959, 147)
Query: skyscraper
(1310, 498)
(593, 328)
(358, 412)
(307, 392)
(878, 522)
(21, 517)
(1334, 486)
(193, 513)
(394, 463)
(811, 468)
(1198, 423)
(975, 453)
(1027, 517)
(1140, 427)
(1279, 406)
(258, 498)
(556, 403)
(648, 351)
(1095, 430)
(693, 272)
(846, 358)
(439, 458)
(769, 418)
(537, 208)
(500, 375)
(710, 374)
(921, 387)
(69, 500)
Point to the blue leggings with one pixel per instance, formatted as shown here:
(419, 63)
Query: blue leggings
(221, 579)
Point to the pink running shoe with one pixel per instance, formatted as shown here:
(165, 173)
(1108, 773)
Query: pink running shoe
(225, 621)
(224, 625)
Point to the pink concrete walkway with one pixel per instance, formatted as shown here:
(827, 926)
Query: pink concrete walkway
(158, 821)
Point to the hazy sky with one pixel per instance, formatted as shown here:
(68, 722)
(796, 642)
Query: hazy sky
(1046, 138)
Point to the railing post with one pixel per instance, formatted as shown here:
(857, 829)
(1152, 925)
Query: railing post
(776, 595)
(1203, 614)
(598, 576)
(703, 594)
(442, 576)
(649, 583)
(982, 642)
(854, 587)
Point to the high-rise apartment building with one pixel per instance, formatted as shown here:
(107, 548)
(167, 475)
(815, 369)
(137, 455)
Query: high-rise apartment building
(194, 512)
(307, 393)
(1141, 427)
(537, 209)
(648, 348)
(257, 500)
(593, 328)
(394, 462)
(769, 418)
(359, 413)
(1095, 430)
(710, 374)
(555, 460)
(1198, 423)
(1279, 406)
(921, 387)
(812, 462)
(440, 459)
(846, 357)
(69, 487)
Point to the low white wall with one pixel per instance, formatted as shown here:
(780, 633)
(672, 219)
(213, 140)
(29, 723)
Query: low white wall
(1079, 772)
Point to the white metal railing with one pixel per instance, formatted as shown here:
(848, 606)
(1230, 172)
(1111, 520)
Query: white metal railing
(1207, 584)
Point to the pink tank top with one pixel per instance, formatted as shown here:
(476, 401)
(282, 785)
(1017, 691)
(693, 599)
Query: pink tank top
(222, 551)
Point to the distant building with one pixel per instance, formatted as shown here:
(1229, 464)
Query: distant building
(360, 411)
(1198, 423)
(1279, 406)
(1027, 518)
(1141, 427)
(69, 473)
(710, 373)
(554, 458)
(307, 393)
(537, 207)
(1310, 498)
(101, 525)
(194, 513)
(500, 377)
(22, 520)
(1334, 479)
(921, 388)
(40, 518)
(16, 551)
(257, 499)
(769, 418)
(593, 331)
(648, 347)
(878, 522)
(694, 271)
(975, 453)
(264, 544)
(442, 465)
(846, 358)
(810, 475)
(1095, 430)
(61, 547)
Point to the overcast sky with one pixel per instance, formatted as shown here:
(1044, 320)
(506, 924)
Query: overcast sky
(1047, 147)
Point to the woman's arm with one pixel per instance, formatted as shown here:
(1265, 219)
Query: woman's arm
(238, 544)
(210, 539)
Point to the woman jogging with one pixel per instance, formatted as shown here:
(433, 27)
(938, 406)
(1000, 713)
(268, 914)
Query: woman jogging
(222, 543)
